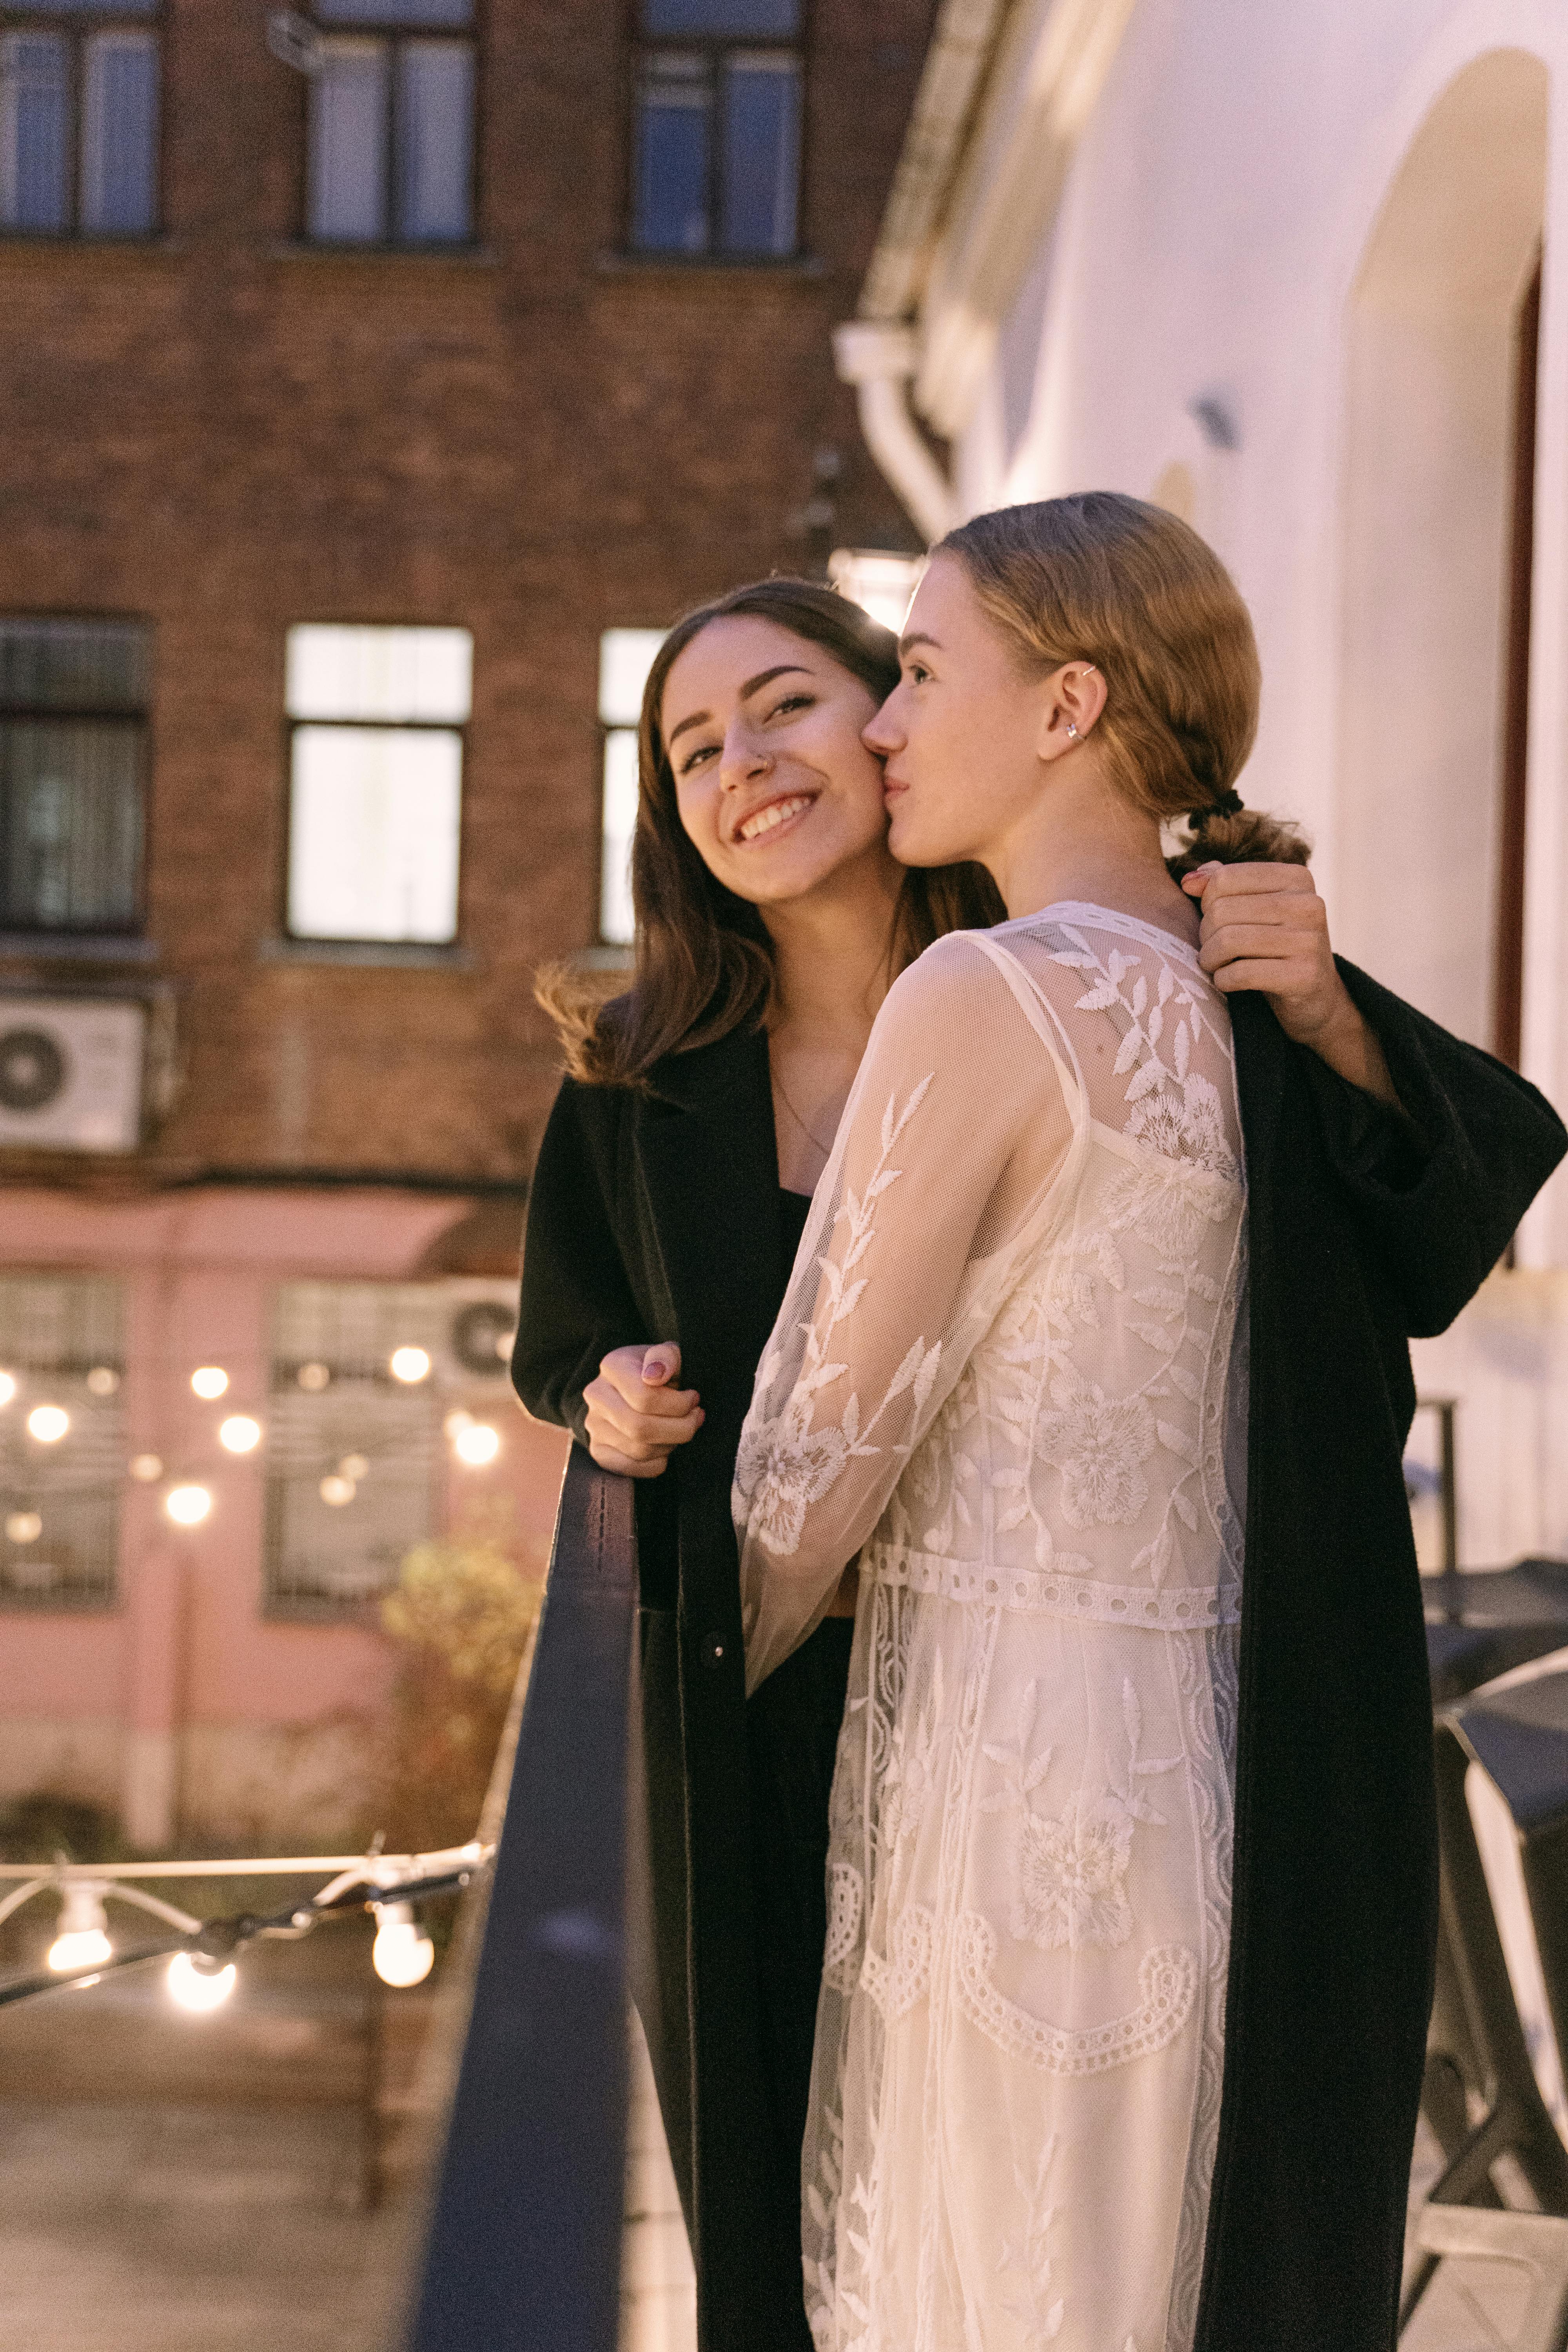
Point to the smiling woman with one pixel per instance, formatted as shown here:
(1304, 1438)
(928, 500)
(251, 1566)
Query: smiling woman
(670, 1194)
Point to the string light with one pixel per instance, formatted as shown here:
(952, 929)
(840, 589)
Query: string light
(23, 1527)
(81, 1942)
(457, 1421)
(239, 1433)
(209, 1382)
(7, 1387)
(337, 1492)
(355, 1466)
(146, 1467)
(401, 1954)
(409, 1365)
(313, 1378)
(187, 1505)
(48, 1423)
(198, 1984)
(478, 1445)
(102, 1381)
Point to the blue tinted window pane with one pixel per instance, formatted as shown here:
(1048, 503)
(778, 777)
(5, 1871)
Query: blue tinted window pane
(119, 133)
(434, 13)
(33, 131)
(766, 20)
(761, 153)
(348, 142)
(672, 135)
(435, 139)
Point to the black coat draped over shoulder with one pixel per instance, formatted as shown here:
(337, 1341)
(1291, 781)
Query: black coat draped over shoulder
(654, 1217)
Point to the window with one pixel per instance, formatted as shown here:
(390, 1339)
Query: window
(716, 141)
(355, 1460)
(626, 656)
(392, 124)
(78, 117)
(59, 1489)
(375, 780)
(73, 697)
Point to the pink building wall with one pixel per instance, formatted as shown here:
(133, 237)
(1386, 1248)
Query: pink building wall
(182, 1707)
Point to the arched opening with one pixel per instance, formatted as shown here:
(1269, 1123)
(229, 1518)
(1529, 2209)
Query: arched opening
(1439, 489)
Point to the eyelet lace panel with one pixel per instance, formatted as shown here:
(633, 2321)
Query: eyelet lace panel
(1177, 1609)
(1167, 1983)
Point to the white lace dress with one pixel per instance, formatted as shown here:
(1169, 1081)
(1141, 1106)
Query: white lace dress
(1008, 1374)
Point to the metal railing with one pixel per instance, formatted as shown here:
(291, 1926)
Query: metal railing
(523, 2247)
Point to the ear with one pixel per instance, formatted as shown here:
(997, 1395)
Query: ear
(1072, 698)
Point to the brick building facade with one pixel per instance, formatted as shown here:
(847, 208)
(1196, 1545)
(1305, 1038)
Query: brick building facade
(497, 317)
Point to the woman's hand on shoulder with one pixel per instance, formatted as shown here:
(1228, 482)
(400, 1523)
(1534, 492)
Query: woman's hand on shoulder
(635, 1420)
(1265, 928)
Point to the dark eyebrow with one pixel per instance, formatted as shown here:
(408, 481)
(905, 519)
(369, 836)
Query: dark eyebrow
(752, 686)
(917, 637)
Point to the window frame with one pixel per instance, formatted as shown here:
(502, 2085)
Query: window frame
(308, 944)
(140, 720)
(713, 48)
(396, 36)
(98, 1594)
(76, 27)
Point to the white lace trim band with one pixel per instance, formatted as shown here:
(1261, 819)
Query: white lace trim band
(1174, 1609)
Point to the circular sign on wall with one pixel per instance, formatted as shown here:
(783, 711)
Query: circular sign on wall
(33, 1069)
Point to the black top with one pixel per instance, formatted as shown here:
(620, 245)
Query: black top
(794, 1210)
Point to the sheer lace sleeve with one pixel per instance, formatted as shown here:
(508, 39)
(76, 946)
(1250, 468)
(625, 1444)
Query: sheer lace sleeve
(962, 1116)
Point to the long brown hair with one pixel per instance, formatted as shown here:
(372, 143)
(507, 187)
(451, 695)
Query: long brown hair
(1107, 579)
(703, 961)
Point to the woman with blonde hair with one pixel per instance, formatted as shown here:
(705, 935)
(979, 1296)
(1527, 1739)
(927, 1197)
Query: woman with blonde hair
(1094, 1352)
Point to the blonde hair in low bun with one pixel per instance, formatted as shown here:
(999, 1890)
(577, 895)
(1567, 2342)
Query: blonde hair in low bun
(1106, 579)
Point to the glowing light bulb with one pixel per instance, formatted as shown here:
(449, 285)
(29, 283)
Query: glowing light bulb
(457, 1421)
(23, 1527)
(354, 1466)
(401, 1954)
(145, 1467)
(313, 1378)
(187, 1505)
(478, 1445)
(409, 1364)
(239, 1433)
(102, 1381)
(209, 1380)
(81, 1942)
(337, 1492)
(7, 1387)
(199, 1984)
(48, 1423)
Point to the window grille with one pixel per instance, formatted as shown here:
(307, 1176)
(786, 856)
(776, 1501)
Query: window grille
(391, 147)
(78, 117)
(73, 698)
(717, 134)
(59, 1501)
(626, 656)
(375, 780)
(340, 1418)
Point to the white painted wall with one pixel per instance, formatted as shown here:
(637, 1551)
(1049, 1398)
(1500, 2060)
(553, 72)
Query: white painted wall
(1255, 216)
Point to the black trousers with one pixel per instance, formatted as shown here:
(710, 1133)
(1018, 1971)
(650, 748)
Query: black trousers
(792, 1735)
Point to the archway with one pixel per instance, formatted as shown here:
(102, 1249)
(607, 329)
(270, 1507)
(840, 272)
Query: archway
(1436, 499)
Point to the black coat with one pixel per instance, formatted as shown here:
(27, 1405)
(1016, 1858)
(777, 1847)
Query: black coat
(655, 1219)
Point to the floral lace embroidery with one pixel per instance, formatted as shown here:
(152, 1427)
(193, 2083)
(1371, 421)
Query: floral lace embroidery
(1167, 1986)
(783, 1465)
(1069, 1872)
(1038, 2312)
(846, 1904)
(897, 1987)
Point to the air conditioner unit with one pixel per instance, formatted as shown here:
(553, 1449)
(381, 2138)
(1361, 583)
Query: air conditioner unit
(70, 1072)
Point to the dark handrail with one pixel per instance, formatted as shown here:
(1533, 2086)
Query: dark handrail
(524, 2246)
